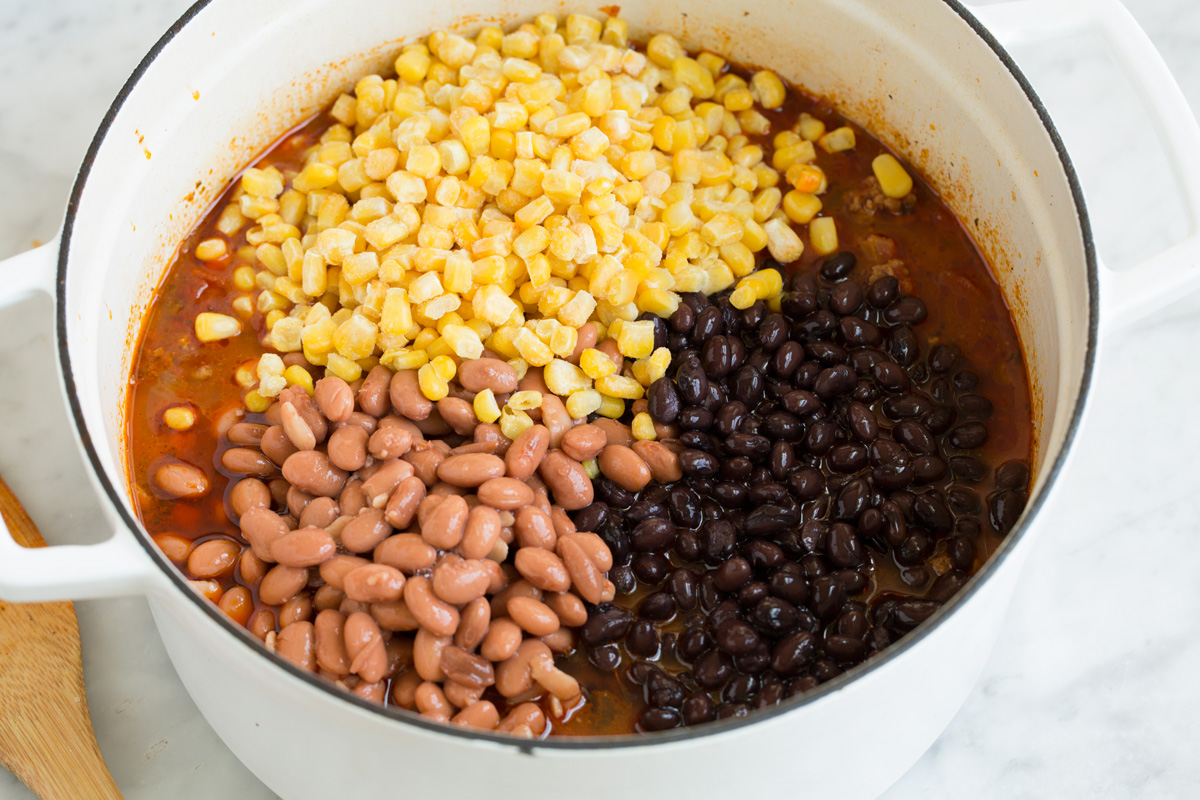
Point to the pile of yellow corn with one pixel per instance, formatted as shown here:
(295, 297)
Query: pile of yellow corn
(504, 190)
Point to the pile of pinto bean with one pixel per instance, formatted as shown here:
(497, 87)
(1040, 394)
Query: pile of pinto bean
(419, 557)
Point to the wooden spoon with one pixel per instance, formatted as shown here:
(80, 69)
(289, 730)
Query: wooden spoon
(46, 736)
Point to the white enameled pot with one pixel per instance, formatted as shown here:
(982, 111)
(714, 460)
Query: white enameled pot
(925, 75)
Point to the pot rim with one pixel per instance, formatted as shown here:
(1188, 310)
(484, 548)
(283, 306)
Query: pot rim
(582, 743)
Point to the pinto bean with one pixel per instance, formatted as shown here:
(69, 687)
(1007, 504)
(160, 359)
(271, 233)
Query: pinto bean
(360, 420)
(473, 624)
(246, 434)
(464, 668)
(425, 460)
(435, 615)
(249, 493)
(373, 395)
(586, 576)
(507, 494)
(527, 451)
(365, 531)
(624, 467)
(431, 702)
(336, 568)
(586, 339)
(330, 639)
(391, 442)
(555, 418)
(662, 460)
(319, 513)
(297, 430)
(490, 433)
(615, 432)
(260, 527)
(328, 597)
(470, 470)
(213, 558)
(242, 461)
(379, 486)
(481, 532)
(374, 583)
(543, 569)
(458, 414)
(298, 609)
(347, 448)
(567, 479)
(502, 640)
(534, 528)
(334, 398)
(513, 676)
(427, 654)
(534, 616)
(365, 647)
(569, 608)
(406, 396)
(312, 472)
(584, 442)
(407, 552)
(276, 445)
(481, 714)
(297, 501)
(444, 525)
(282, 583)
(298, 644)
(478, 374)
(402, 505)
(527, 719)
(563, 524)
(307, 409)
(251, 568)
(460, 582)
(394, 616)
(352, 499)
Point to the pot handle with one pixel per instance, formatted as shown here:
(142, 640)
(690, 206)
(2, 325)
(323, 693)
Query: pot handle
(116, 566)
(1127, 295)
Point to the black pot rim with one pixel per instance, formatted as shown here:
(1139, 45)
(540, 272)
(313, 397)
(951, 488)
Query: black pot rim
(404, 717)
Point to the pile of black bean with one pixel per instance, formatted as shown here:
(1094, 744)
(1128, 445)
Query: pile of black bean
(820, 449)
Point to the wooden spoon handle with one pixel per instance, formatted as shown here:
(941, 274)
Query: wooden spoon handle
(46, 736)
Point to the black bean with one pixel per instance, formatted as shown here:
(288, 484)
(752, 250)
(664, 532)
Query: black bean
(940, 419)
(800, 402)
(767, 493)
(622, 577)
(659, 719)
(852, 500)
(713, 669)
(717, 540)
(968, 468)
(905, 311)
(798, 305)
(964, 500)
(729, 418)
(732, 574)
(906, 406)
(692, 382)
(684, 586)
(612, 494)
(748, 386)
(737, 468)
(843, 545)
(826, 353)
(698, 708)
(834, 381)
(591, 517)
(883, 291)
(845, 648)
(642, 639)
(915, 548)
(785, 426)
(927, 469)
(773, 333)
(847, 458)
(737, 637)
(858, 331)
(604, 626)
(783, 460)
(741, 689)
(962, 553)
(716, 357)
(750, 594)
(944, 357)
(786, 359)
(764, 555)
(828, 595)
(806, 483)
(657, 606)
(684, 505)
(891, 376)
(606, 657)
(838, 266)
(821, 437)
(912, 612)
(698, 463)
(683, 319)
(663, 401)
(816, 326)
(692, 643)
(846, 298)
(695, 418)
(975, 406)
(768, 520)
(653, 535)
(946, 586)
(932, 512)
(805, 374)
(793, 652)
(903, 346)
(1005, 509)
(788, 583)
(1013, 475)
(915, 436)
(698, 440)
(715, 398)
(730, 495)
(687, 545)
(709, 323)
(968, 435)
(965, 381)
(645, 509)
(749, 445)
(651, 568)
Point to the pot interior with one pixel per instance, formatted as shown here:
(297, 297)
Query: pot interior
(232, 77)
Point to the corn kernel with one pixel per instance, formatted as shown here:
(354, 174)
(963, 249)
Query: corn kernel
(822, 233)
(611, 407)
(485, 406)
(297, 375)
(525, 400)
(800, 207)
(564, 378)
(432, 385)
(400, 358)
(211, 249)
(590, 466)
(595, 364)
(180, 418)
(355, 338)
(513, 422)
(782, 242)
(893, 179)
(255, 402)
(464, 341)
(743, 296)
(583, 402)
(620, 386)
(212, 327)
(532, 349)
(444, 367)
(767, 89)
(643, 427)
(810, 127)
(837, 140)
(636, 339)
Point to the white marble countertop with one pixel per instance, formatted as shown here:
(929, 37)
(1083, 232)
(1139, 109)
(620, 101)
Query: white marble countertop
(1089, 692)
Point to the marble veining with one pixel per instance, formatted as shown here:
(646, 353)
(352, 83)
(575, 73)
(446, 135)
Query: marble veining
(1091, 691)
